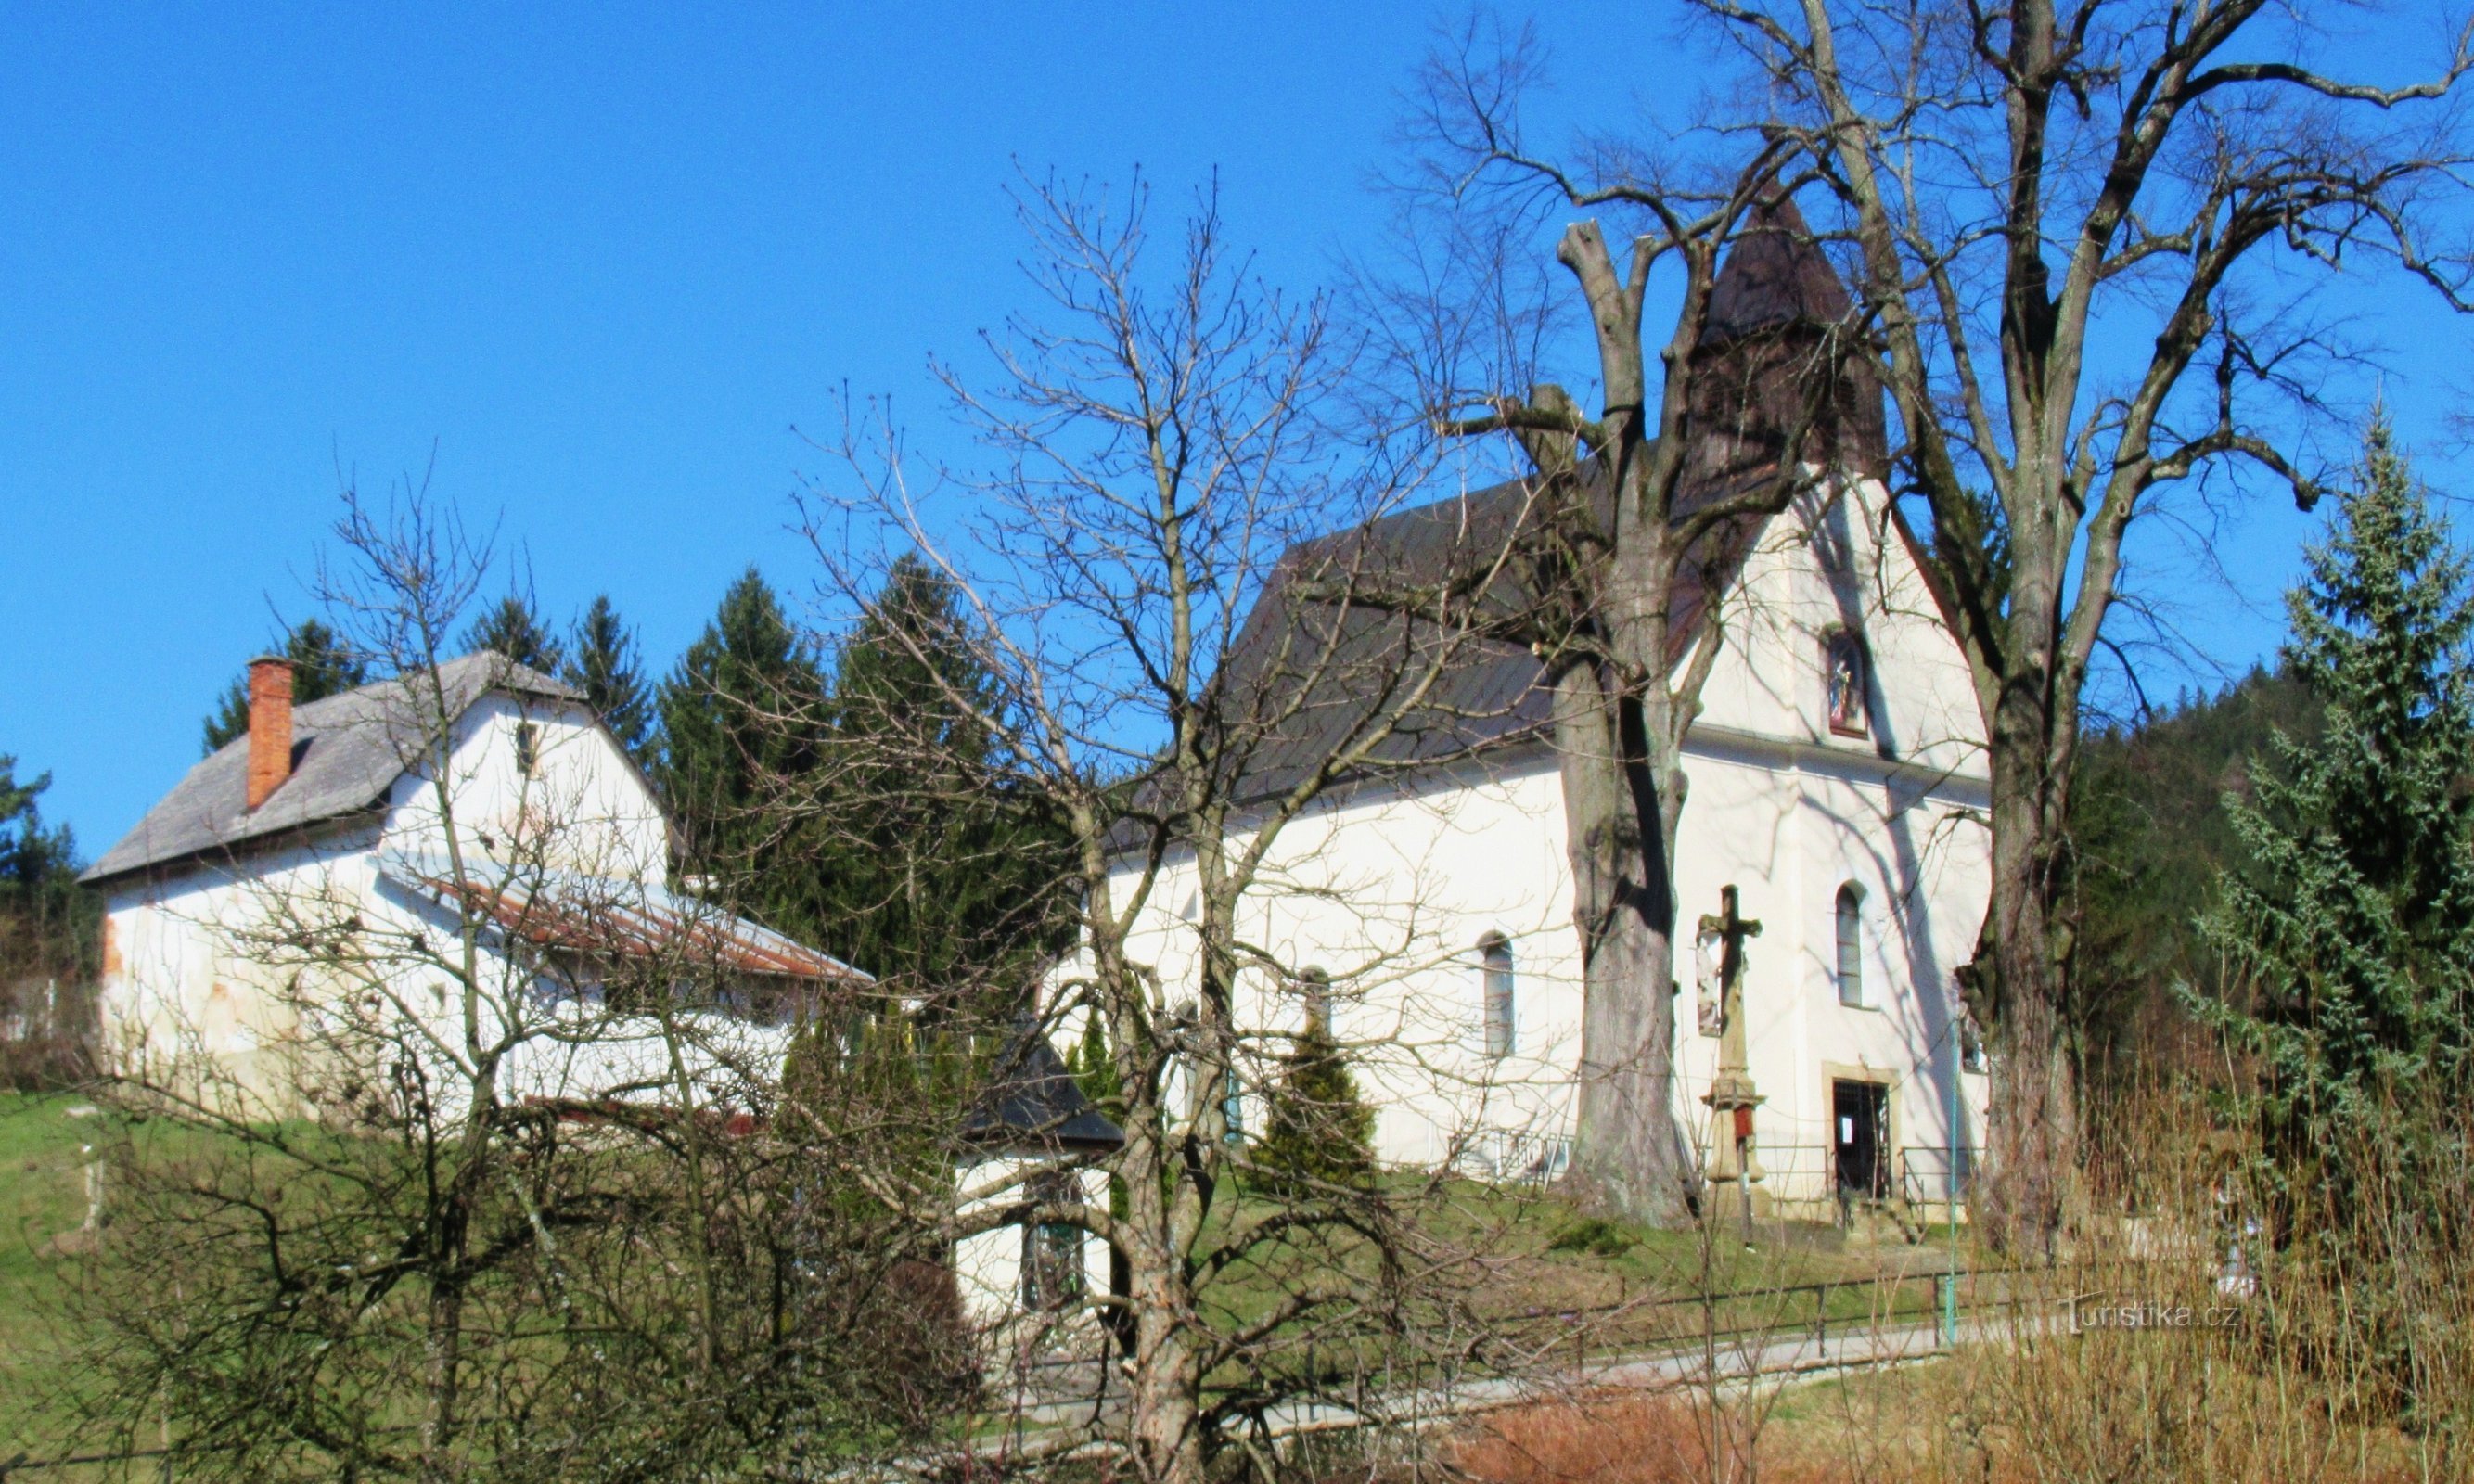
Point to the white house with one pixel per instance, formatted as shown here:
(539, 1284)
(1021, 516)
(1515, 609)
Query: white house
(303, 891)
(1836, 780)
(327, 865)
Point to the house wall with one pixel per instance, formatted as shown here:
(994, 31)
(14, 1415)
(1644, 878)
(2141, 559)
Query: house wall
(209, 984)
(584, 808)
(1390, 888)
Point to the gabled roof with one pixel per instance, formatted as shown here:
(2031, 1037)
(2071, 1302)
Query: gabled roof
(1032, 1103)
(1315, 673)
(1320, 668)
(348, 751)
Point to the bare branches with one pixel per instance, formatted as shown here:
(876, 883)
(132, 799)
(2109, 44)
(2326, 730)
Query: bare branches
(1188, 666)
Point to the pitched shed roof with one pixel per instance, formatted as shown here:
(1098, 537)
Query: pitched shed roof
(348, 750)
(1032, 1103)
(617, 919)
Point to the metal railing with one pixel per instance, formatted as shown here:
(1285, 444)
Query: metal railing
(1937, 1175)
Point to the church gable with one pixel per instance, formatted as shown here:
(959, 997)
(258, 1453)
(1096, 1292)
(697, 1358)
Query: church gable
(1833, 642)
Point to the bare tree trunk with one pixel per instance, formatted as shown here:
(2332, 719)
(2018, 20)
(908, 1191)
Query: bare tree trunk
(1631, 1152)
(2016, 997)
(1165, 1388)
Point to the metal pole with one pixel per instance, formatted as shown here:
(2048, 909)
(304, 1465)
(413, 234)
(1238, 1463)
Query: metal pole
(1950, 1207)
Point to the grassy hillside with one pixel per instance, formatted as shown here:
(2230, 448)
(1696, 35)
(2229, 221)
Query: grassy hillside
(43, 1195)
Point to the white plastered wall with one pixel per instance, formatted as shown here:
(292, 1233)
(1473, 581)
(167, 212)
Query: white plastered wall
(987, 1265)
(199, 989)
(1390, 888)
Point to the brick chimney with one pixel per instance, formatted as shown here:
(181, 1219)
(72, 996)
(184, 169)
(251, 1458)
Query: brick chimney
(270, 726)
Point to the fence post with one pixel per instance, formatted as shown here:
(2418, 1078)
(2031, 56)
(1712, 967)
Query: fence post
(1820, 1320)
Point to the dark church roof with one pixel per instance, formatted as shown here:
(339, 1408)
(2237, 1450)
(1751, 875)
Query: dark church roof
(1319, 669)
(1774, 278)
(1032, 1103)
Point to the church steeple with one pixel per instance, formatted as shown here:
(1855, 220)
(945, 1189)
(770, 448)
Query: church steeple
(1778, 322)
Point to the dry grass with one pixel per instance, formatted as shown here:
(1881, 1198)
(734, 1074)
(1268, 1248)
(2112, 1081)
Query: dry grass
(1622, 1440)
(2348, 1360)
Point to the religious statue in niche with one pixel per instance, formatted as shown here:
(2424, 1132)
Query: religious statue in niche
(1845, 655)
(1709, 990)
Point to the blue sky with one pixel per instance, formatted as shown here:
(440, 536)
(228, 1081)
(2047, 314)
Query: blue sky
(601, 260)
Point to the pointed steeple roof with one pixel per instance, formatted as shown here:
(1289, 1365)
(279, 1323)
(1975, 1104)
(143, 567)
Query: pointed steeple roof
(1775, 274)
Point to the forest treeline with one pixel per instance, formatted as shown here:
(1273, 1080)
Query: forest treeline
(758, 713)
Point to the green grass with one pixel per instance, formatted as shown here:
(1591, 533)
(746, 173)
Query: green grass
(1549, 1273)
(42, 1194)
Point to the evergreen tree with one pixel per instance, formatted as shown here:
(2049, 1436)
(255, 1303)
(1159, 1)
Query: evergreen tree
(50, 930)
(2149, 839)
(2352, 925)
(1318, 1131)
(934, 868)
(514, 629)
(602, 661)
(321, 666)
(742, 718)
(1094, 1070)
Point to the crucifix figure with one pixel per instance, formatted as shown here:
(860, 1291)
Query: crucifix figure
(1731, 1096)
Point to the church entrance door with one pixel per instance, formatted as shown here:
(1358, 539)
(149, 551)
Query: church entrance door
(1860, 1132)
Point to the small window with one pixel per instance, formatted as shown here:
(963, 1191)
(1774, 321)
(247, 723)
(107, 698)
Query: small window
(528, 748)
(1232, 1108)
(1843, 653)
(1051, 1252)
(1851, 944)
(1494, 954)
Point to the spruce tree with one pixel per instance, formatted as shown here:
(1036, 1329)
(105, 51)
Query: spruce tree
(2352, 924)
(602, 661)
(513, 629)
(50, 937)
(1319, 1132)
(742, 717)
(2149, 839)
(321, 666)
(934, 868)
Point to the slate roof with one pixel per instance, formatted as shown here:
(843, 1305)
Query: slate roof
(1318, 669)
(348, 750)
(1032, 1103)
(1774, 278)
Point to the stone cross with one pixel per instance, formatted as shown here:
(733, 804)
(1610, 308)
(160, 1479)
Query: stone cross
(1731, 1096)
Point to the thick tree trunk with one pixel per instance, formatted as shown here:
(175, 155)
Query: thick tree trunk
(1165, 1381)
(2032, 1138)
(1631, 1156)
(1166, 1395)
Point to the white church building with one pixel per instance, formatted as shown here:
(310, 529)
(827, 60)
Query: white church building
(1836, 781)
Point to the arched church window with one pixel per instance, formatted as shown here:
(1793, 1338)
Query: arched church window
(1494, 958)
(1843, 656)
(1232, 1108)
(1851, 944)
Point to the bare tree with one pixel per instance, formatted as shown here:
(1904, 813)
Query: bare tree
(2082, 236)
(1644, 505)
(1146, 572)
